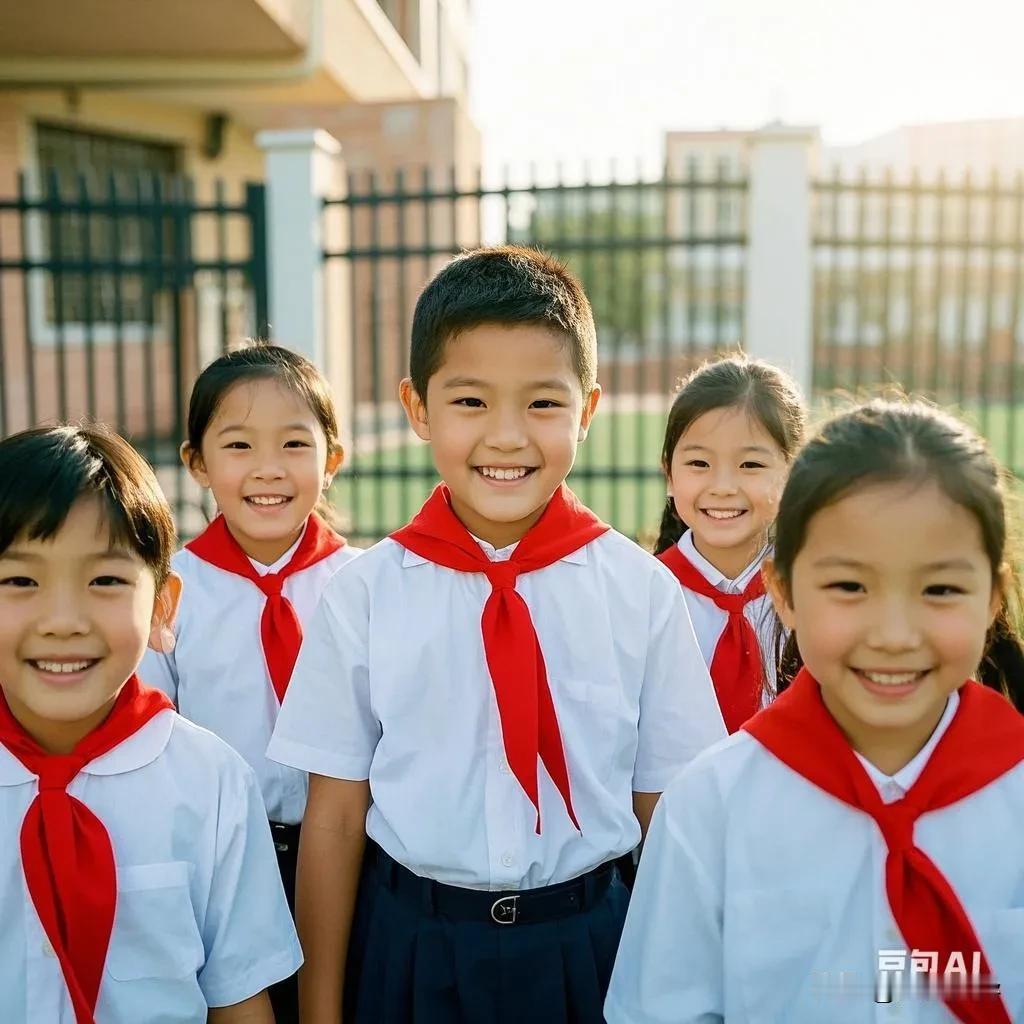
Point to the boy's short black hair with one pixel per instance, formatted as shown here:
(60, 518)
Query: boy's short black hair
(44, 471)
(506, 284)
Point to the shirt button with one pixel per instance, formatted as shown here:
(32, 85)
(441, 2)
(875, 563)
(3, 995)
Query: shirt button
(508, 859)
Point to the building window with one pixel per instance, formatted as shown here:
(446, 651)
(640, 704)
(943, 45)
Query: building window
(128, 231)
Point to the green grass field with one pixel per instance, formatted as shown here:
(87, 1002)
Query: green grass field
(380, 491)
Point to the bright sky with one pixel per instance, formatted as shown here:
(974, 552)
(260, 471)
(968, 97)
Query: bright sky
(595, 79)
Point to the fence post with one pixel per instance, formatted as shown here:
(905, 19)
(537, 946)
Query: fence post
(300, 171)
(779, 295)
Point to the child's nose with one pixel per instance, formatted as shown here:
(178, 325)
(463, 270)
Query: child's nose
(507, 433)
(894, 628)
(63, 616)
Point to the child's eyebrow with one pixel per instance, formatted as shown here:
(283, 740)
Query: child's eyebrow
(21, 555)
(758, 448)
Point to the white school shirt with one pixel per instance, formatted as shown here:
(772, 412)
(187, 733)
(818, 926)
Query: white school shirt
(761, 899)
(709, 620)
(201, 918)
(392, 686)
(217, 675)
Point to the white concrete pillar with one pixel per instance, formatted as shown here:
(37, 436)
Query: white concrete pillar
(779, 295)
(301, 169)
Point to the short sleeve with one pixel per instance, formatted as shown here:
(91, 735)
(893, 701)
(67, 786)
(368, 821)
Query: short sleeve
(160, 671)
(248, 933)
(679, 714)
(326, 725)
(669, 965)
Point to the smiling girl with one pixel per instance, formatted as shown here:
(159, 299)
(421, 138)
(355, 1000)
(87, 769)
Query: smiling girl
(864, 829)
(732, 432)
(263, 437)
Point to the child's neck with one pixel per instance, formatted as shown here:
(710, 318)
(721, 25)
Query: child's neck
(889, 750)
(730, 562)
(498, 535)
(58, 737)
(266, 552)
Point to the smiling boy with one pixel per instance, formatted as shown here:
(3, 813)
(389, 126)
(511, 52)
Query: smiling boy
(495, 695)
(137, 874)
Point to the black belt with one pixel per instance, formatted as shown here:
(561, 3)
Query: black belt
(526, 906)
(286, 837)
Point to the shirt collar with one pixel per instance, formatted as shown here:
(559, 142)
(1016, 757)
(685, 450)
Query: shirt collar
(141, 748)
(898, 784)
(577, 557)
(716, 578)
(265, 570)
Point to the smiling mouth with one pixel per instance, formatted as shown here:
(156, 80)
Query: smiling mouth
(891, 681)
(505, 473)
(62, 667)
(724, 514)
(267, 500)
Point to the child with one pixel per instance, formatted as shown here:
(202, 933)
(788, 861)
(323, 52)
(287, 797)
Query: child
(137, 875)
(732, 432)
(506, 678)
(263, 436)
(868, 820)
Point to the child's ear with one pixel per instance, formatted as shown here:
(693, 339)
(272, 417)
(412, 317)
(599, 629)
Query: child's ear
(335, 458)
(589, 408)
(415, 408)
(165, 608)
(193, 462)
(779, 593)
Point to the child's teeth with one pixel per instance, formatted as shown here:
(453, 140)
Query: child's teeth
(497, 473)
(892, 678)
(65, 667)
(722, 513)
(260, 500)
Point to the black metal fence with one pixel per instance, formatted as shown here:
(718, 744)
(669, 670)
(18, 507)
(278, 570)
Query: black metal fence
(662, 262)
(113, 294)
(918, 284)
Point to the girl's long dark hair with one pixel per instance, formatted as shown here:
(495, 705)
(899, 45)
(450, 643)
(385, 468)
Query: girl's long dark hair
(889, 442)
(260, 360)
(763, 390)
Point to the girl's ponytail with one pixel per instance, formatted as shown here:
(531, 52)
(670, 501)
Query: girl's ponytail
(671, 529)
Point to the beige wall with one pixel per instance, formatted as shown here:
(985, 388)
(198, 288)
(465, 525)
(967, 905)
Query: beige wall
(143, 374)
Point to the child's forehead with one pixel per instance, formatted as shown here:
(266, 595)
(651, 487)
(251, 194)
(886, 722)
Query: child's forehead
(514, 354)
(89, 530)
(258, 400)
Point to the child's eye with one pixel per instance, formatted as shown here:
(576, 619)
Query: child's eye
(752, 465)
(110, 581)
(545, 403)
(297, 444)
(698, 463)
(238, 445)
(17, 581)
(470, 403)
(943, 590)
(846, 586)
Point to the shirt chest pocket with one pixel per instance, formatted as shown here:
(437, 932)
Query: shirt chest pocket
(592, 713)
(155, 930)
(773, 936)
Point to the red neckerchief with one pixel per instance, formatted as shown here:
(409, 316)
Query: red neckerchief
(984, 741)
(737, 669)
(529, 726)
(66, 853)
(280, 629)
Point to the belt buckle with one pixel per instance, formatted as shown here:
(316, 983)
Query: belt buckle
(505, 910)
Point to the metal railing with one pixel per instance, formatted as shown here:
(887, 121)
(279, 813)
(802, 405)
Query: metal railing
(918, 284)
(113, 294)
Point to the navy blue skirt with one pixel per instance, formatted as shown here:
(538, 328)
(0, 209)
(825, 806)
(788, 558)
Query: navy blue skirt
(408, 965)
